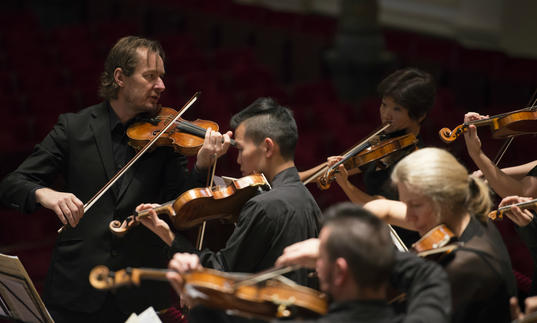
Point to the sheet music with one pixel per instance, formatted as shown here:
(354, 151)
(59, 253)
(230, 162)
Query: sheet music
(17, 305)
(14, 277)
(147, 316)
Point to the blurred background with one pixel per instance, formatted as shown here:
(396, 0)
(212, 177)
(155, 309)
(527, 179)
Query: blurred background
(323, 59)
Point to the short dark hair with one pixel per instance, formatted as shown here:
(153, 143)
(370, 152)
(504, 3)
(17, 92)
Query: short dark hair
(363, 241)
(412, 88)
(265, 118)
(123, 55)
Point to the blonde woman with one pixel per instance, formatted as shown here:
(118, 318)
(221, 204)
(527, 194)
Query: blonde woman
(434, 188)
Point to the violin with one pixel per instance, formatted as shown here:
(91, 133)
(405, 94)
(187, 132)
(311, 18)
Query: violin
(186, 137)
(498, 214)
(505, 125)
(269, 298)
(197, 205)
(143, 150)
(439, 240)
(371, 154)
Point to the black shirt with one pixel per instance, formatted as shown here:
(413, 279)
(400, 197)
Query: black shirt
(122, 152)
(267, 224)
(427, 289)
(480, 275)
(528, 234)
(377, 181)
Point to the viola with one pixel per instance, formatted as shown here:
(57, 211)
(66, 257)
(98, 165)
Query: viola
(498, 214)
(186, 137)
(505, 125)
(262, 298)
(197, 205)
(377, 152)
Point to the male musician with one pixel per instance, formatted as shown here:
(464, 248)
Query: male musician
(266, 136)
(356, 262)
(87, 148)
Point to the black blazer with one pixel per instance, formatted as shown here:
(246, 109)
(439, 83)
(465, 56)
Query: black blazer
(79, 148)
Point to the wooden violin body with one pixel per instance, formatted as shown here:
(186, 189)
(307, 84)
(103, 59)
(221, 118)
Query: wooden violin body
(186, 137)
(503, 126)
(373, 153)
(273, 298)
(438, 241)
(202, 204)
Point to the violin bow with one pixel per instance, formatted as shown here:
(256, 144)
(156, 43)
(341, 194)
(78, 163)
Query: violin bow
(123, 170)
(358, 148)
(210, 183)
(347, 155)
(265, 275)
(397, 241)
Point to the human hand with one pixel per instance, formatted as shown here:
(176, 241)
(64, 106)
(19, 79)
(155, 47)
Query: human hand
(341, 174)
(214, 145)
(154, 223)
(530, 304)
(304, 253)
(520, 217)
(473, 143)
(181, 264)
(67, 206)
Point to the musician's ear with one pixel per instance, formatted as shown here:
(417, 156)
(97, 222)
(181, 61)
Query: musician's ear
(119, 77)
(341, 272)
(268, 147)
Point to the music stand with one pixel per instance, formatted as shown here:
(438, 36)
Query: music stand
(18, 298)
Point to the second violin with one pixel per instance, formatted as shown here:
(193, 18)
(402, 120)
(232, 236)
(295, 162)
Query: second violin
(373, 153)
(201, 204)
(514, 123)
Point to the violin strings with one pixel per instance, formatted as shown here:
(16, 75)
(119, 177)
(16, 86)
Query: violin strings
(265, 275)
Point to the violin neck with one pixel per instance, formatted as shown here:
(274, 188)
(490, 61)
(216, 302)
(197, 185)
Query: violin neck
(498, 116)
(166, 208)
(522, 205)
(152, 273)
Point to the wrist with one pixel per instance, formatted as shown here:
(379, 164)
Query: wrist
(165, 234)
(39, 194)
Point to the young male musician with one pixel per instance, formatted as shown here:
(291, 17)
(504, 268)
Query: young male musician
(87, 148)
(266, 136)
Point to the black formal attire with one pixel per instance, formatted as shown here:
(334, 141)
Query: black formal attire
(481, 276)
(528, 234)
(377, 180)
(267, 224)
(86, 149)
(428, 297)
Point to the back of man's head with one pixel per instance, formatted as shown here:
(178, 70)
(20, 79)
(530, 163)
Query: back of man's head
(265, 118)
(363, 241)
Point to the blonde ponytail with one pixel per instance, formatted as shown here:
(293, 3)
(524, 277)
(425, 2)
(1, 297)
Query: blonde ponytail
(438, 175)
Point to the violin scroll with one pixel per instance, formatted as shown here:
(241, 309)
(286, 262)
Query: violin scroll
(448, 136)
(496, 215)
(119, 228)
(100, 278)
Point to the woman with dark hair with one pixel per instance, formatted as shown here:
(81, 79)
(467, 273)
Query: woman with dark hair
(407, 96)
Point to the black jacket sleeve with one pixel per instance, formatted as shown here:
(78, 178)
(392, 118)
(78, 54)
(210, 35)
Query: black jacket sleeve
(253, 233)
(40, 169)
(427, 288)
